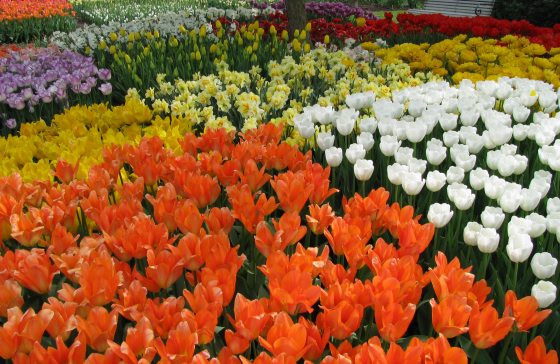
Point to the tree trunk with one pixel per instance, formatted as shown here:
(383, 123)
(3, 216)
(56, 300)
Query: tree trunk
(297, 18)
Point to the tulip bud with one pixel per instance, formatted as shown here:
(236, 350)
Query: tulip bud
(553, 205)
(521, 113)
(403, 155)
(518, 225)
(511, 198)
(333, 156)
(529, 199)
(346, 121)
(395, 173)
(544, 292)
(366, 139)
(389, 145)
(439, 214)
(435, 180)
(488, 240)
(412, 183)
(450, 138)
(492, 217)
(455, 175)
(538, 225)
(363, 169)
(553, 222)
(544, 265)
(368, 125)
(325, 140)
(354, 152)
(470, 233)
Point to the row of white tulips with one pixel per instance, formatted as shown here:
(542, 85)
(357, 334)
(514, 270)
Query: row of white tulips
(493, 144)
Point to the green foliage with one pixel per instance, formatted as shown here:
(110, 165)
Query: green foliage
(544, 13)
(30, 30)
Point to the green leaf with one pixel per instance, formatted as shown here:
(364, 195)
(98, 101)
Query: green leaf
(481, 358)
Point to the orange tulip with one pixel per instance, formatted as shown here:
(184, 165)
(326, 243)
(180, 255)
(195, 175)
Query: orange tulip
(536, 353)
(292, 190)
(219, 220)
(524, 311)
(392, 319)
(137, 344)
(294, 292)
(66, 172)
(179, 347)
(246, 210)
(217, 252)
(414, 238)
(10, 296)
(342, 233)
(450, 316)
(283, 156)
(342, 320)
(34, 270)
(267, 243)
(164, 205)
(164, 268)
(63, 321)
(216, 140)
(9, 206)
(22, 330)
(319, 218)
(336, 273)
(206, 322)
(204, 297)
(485, 329)
(203, 190)
(228, 172)
(99, 279)
(236, 343)
(318, 177)
(252, 176)
(99, 326)
(147, 158)
(309, 260)
(188, 218)
(27, 228)
(223, 278)
(131, 299)
(250, 316)
(164, 315)
(285, 337)
(76, 353)
(189, 250)
(290, 224)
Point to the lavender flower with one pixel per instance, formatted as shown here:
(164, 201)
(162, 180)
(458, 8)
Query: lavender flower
(106, 89)
(11, 123)
(322, 9)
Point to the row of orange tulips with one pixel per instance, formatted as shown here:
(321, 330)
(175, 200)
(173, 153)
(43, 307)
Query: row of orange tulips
(234, 251)
(27, 9)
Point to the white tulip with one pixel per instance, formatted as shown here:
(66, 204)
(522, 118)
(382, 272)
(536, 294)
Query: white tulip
(306, 129)
(439, 214)
(325, 140)
(403, 155)
(487, 87)
(435, 180)
(553, 205)
(470, 233)
(519, 225)
(465, 132)
(538, 225)
(520, 132)
(465, 161)
(435, 152)
(399, 129)
(487, 240)
(504, 91)
(553, 222)
(547, 152)
(510, 104)
(417, 165)
(366, 139)
(547, 98)
(386, 126)
(544, 265)
(346, 120)
(395, 173)
(508, 149)
(494, 187)
(544, 136)
(450, 105)
(457, 150)
(325, 115)
(493, 159)
(415, 132)
(368, 125)
(475, 143)
(477, 178)
(389, 145)
(363, 169)
(519, 247)
(450, 138)
(455, 175)
(448, 121)
(521, 113)
(540, 185)
(412, 183)
(416, 107)
(529, 199)
(506, 165)
(500, 134)
(488, 143)
(354, 152)
(544, 175)
(544, 292)
(463, 199)
(470, 117)
(521, 163)
(492, 217)
(334, 156)
(360, 100)
(511, 199)
(528, 97)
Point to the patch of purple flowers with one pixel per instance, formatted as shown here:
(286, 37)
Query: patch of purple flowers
(322, 9)
(41, 75)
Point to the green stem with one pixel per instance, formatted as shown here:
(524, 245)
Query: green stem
(505, 348)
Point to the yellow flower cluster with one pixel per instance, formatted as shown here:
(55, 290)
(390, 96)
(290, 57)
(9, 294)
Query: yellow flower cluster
(478, 59)
(81, 133)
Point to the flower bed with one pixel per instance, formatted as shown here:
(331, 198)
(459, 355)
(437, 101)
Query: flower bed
(206, 244)
(27, 20)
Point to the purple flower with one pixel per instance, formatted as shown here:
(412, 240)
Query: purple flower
(10, 123)
(106, 89)
(104, 74)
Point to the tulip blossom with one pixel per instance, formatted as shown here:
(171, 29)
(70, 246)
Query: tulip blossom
(492, 217)
(487, 240)
(519, 247)
(544, 292)
(333, 156)
(363, 169)
(439, 214)
(536, 353)
(543, 265)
